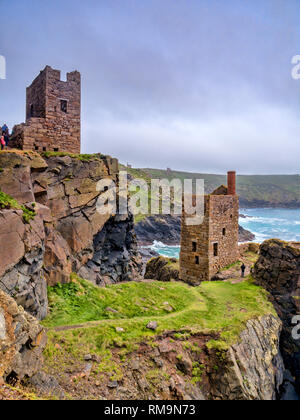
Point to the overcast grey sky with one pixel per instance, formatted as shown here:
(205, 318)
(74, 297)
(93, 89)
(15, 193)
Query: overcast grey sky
(198, 85)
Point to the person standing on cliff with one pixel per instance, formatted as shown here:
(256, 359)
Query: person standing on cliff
(5, 129)
(243, 269)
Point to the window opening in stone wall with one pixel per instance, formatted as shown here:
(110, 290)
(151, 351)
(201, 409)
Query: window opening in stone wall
(216, 249)
(56, 149)
(194, 246)
(36, 147)
(44, 149)
(197, 260)
(224, 232)
(64, 106)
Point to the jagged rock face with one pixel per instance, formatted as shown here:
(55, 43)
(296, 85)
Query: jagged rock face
(16, 174)
(115, 253)
(160, 228)
(100, 248)
(22, 341)
(172, 368)
(68, 234)
(278, 271)
(22, 256)
(253, 368)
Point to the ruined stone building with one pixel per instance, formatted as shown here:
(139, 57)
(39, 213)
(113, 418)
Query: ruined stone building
(53, 109)
(212, 245)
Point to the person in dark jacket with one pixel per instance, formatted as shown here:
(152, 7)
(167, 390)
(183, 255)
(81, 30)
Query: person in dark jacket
(5, 129)
(243, 269)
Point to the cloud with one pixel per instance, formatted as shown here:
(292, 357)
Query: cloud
(192, 85)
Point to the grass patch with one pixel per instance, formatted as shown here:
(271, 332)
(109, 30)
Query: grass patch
(251, 256)
(197, 372)
(82, 157)
(7, 202)
(217, 308)
(233, 265)
(173, 263)
(80, 301)
(28, 214)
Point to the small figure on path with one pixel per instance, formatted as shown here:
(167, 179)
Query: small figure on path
(243, 269)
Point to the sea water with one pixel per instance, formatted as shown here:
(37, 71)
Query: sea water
(265, 223)
(272, 223)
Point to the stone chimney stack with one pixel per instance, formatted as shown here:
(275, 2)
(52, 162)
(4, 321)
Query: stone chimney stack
(231, 182)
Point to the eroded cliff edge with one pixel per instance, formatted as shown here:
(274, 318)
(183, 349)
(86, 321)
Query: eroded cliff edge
(50, 228)
(64, 233)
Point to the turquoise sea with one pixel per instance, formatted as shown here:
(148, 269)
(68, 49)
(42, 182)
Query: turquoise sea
(265, 223)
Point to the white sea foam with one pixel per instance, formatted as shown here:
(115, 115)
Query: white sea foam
(264, 223)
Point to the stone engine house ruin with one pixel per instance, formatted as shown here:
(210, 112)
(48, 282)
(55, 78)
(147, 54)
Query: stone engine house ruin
(53, 109)
(208, 247)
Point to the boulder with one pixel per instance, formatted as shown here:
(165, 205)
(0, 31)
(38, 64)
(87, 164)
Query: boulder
(22, 341)
(162, 269)
(152, 325)
(22, 258)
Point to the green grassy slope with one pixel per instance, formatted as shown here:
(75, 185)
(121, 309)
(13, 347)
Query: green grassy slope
(80, 301)
(216, 308)
(254, 190)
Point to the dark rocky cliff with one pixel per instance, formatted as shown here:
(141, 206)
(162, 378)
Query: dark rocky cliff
(66, 234)
(278, 271)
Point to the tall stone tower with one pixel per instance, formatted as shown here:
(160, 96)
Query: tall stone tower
(53, 109)
(212, 245)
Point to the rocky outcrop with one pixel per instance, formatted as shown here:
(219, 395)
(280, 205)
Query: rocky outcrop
(245, 235)
(115, 253)
(67, 234)
(162, 228)
(253, 368)
(162, 269)
(22, 341)
(278, 271)
(22, 256)
(167, 228)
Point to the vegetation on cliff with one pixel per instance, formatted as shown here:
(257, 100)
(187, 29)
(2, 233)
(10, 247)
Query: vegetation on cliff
(82, 157)
(7, 202)
(80, 301)
(254, 190)
(218, 308)
(99, 339)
